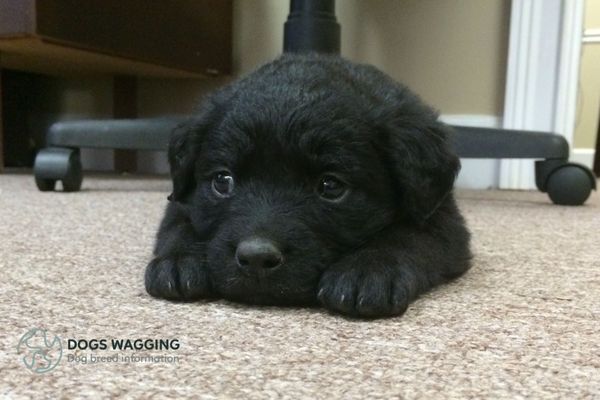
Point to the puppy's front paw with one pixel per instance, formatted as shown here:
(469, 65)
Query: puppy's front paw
(177, 278)
(366, 291)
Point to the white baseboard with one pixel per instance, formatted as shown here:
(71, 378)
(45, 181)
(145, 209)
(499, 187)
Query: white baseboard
(476, 173)
(583, 156)
(485, 121)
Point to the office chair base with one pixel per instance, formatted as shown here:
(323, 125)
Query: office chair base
(566, 183)
(58, 164)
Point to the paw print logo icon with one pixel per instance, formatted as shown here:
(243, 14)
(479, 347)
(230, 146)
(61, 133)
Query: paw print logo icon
(40, 351)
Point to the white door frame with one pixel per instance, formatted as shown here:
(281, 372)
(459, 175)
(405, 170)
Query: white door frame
(542, 75)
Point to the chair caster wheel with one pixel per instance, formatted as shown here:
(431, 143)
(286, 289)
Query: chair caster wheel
(570, 185)
(58, 164)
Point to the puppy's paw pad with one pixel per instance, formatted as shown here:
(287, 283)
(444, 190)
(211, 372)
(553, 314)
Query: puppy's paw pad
(176, 278)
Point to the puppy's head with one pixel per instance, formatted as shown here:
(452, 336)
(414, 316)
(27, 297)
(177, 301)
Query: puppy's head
(301, 163)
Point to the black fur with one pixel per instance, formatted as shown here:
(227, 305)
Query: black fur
(394, 235)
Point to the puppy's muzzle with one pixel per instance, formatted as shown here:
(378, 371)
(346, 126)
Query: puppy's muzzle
(258, 255)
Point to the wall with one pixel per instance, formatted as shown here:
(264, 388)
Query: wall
(453, 53)
(588, 102)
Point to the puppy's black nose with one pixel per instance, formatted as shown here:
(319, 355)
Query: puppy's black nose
(258, 253)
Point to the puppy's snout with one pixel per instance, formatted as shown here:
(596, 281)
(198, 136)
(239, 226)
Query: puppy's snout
(258, 253)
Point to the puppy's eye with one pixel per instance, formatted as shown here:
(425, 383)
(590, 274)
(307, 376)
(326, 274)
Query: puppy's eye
(222, 183)
(331, 188)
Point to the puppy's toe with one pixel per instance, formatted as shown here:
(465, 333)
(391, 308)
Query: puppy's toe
(373, 298)
(400, 296)
(161, 277)
(193, 278)
(338, 291)
(176, 278)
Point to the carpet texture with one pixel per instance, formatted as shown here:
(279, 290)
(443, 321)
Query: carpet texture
(523, 323)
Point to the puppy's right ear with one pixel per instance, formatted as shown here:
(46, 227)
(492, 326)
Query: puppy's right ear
(183, 150)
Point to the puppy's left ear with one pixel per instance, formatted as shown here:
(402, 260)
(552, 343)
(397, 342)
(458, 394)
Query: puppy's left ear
(423, 167)
(183, 150)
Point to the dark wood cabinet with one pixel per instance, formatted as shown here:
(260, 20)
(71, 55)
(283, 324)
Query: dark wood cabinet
(136, 37)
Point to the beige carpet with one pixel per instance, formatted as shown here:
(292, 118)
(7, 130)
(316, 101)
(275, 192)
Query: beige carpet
(523, 323)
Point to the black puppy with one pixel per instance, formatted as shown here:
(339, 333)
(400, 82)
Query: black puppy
(311, 180)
